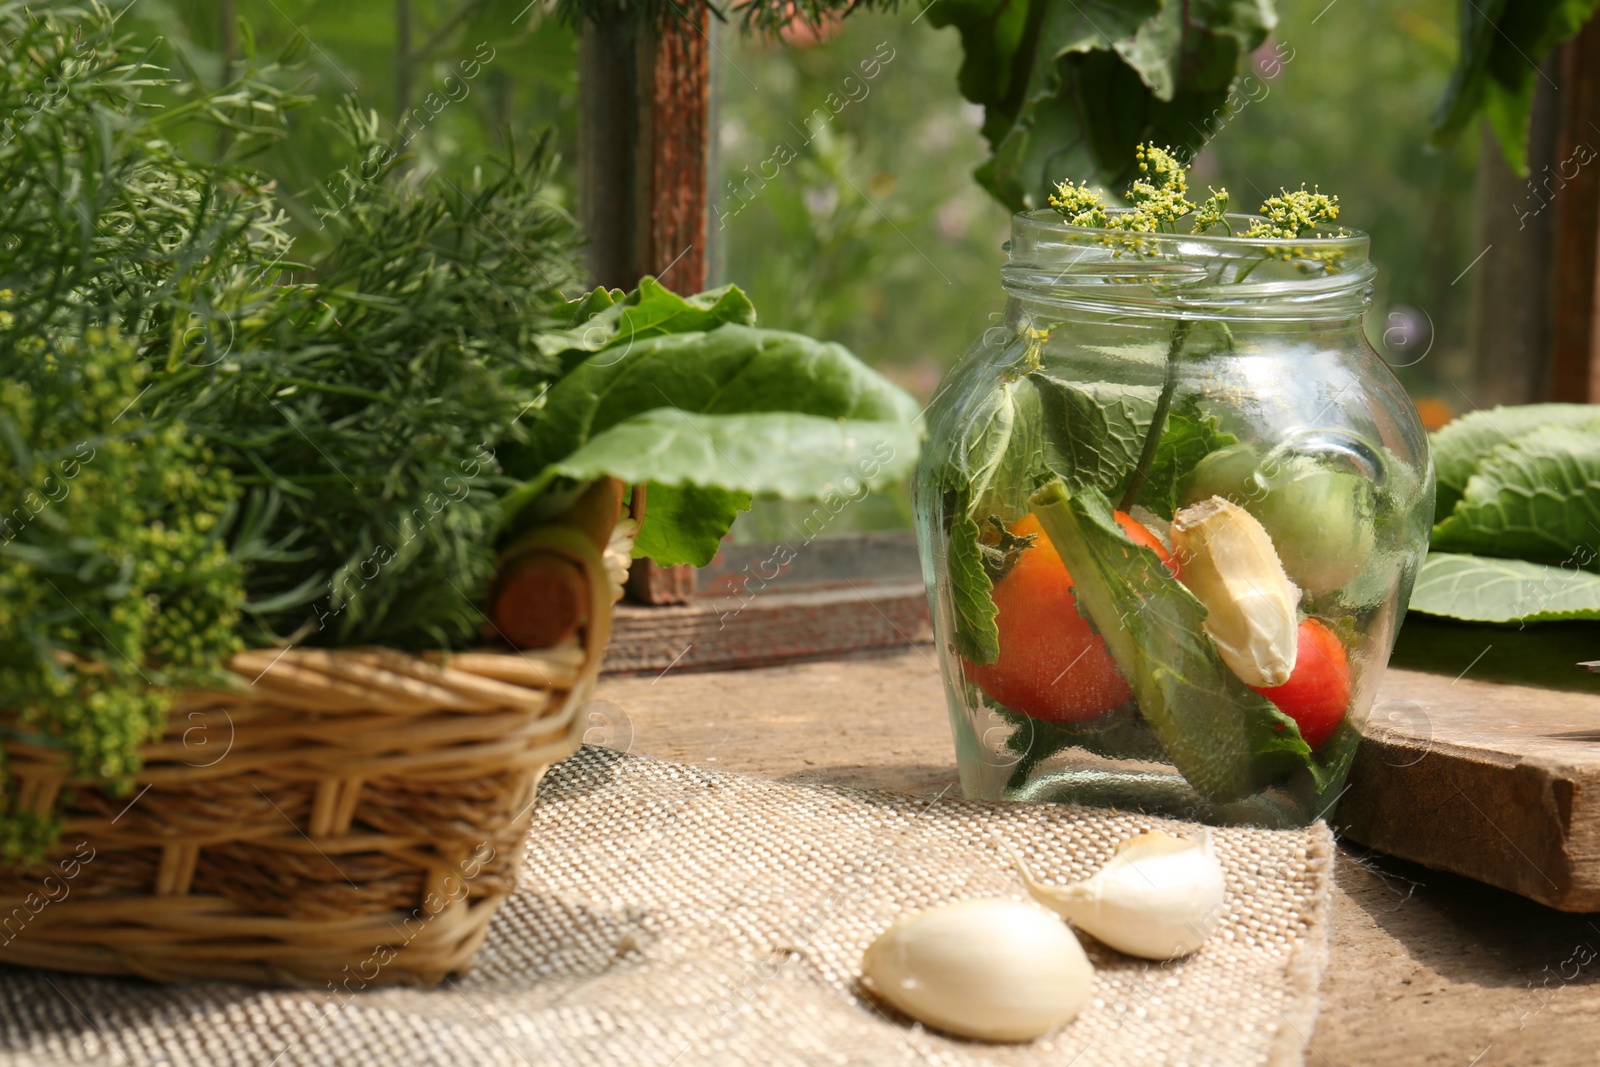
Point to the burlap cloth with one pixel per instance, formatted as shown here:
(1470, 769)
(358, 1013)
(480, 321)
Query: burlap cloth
(674, 916)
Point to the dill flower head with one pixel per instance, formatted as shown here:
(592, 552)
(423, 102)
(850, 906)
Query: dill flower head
(1079, 204)
(1296, 214)
(1211, 211)
(1159, 195)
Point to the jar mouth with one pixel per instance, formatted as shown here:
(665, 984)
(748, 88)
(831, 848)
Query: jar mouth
(1184, 275)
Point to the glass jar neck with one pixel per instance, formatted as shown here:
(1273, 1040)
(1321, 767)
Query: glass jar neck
(1028, 311)
(1186, 276)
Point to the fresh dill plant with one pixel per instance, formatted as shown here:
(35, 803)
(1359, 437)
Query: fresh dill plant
(107, 223)
(118, 255)
(368, 401)
(205, 443)
(116, 581)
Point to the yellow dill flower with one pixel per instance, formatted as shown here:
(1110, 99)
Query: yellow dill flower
(1079, 204)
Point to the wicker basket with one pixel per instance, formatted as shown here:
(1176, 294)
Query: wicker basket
(349, 817)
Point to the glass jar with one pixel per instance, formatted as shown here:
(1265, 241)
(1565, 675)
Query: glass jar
(1170, 513)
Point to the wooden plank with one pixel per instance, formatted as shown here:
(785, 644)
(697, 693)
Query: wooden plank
(1512, 311)
(745, 570)
(1494, 781)
(679, 131)
(608, 119)
(1573, 181)
(770, 627)
(644, 100)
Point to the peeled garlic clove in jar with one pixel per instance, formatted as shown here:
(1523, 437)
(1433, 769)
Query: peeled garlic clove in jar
(998, 970)
(1229, 563)
(1158, 898)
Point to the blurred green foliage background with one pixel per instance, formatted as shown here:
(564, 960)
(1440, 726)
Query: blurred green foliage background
(867, 227)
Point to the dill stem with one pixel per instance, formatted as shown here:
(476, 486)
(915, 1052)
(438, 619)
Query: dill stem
(1158, 420)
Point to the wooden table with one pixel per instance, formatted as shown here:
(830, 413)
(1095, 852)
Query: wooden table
(1426, 967)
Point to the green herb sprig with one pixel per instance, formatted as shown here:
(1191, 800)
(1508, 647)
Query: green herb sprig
(368, 403)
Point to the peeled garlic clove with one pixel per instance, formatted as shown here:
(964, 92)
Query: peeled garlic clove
(999, 970)
(1159, 897)
(1229, 563)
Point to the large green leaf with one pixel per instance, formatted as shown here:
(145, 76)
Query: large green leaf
(607, 318)
(980, 455)
(686, 523)
(1464, 443)
(986, 439)
(730, 370)
(797, 457)
(1535, 498)
(1226, 739)
(1480, 589)
(1502, 44)
(1024, 432)
(992, 32)
(1069, 88)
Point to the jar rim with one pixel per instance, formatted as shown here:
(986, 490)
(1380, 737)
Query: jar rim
(1179, 275)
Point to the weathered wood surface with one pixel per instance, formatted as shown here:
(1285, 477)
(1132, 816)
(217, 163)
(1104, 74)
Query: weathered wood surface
(1426, 967)
(748, 630)
(1498, 782)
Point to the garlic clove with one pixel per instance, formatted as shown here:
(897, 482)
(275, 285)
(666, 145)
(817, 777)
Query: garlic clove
(1229, 563)
(1158, 898)
(999, 970)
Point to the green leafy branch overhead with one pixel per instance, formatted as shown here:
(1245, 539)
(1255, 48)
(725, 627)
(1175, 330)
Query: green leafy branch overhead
(1502, 43)
(1069, 89)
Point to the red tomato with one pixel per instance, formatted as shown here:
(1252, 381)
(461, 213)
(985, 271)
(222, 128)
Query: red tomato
(1318, 690)
(1052, 665)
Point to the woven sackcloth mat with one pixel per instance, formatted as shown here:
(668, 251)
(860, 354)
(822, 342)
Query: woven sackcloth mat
(670, 915)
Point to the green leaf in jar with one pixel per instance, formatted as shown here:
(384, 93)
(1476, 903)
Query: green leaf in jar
(1227, 740)
(977, 638)
(1189, 437)
(1480, 589)
(1536, 498)
(1118, 734)
(1093, 432)
(993, 462)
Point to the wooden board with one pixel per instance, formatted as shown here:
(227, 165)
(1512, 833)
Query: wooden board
(1496, 781)
(767, 627)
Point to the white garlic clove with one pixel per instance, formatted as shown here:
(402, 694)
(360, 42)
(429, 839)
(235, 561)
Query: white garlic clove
(1158, 898)
(999, 970)
(1230, 564)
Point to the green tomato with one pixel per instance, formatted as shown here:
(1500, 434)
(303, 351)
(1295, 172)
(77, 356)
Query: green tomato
(1228, 472)
(1320, 519)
